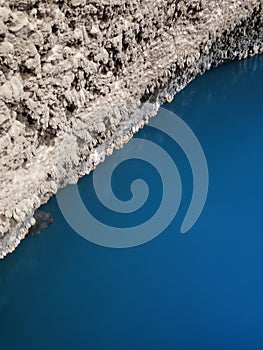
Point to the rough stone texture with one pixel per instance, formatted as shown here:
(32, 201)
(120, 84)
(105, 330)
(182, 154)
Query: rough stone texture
(79, 77)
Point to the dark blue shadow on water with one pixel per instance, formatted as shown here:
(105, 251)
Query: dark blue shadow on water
(202, 290)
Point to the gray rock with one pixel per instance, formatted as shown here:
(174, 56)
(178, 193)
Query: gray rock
(78, 78)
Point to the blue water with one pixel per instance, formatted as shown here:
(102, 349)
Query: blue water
(202, 290)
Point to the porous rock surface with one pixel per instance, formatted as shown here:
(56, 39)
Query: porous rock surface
(79, 77)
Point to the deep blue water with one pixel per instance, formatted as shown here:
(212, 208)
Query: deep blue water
(202, 290)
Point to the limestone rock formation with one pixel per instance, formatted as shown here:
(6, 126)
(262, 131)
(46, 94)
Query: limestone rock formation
(79, 77)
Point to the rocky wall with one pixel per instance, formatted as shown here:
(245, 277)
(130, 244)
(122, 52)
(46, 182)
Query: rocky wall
(79, 77)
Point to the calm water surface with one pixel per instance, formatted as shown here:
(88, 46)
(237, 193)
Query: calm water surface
(202, 290)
